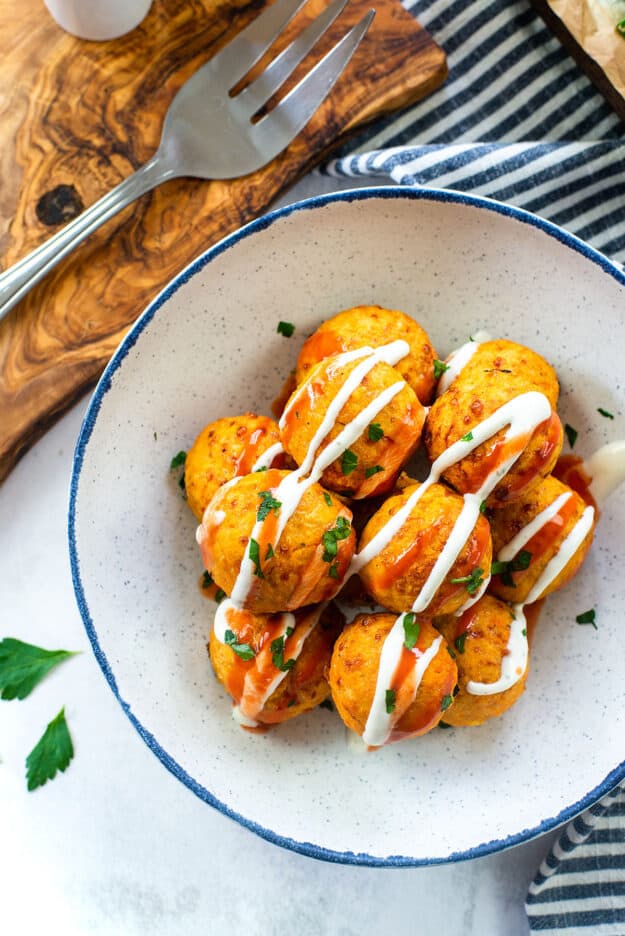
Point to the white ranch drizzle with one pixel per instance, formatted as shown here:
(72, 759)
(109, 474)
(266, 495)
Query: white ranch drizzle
(268, 456)
(458, 359)
(606, 469)
(516, 544)
(513, 663)
(565, 553)
(521, 415)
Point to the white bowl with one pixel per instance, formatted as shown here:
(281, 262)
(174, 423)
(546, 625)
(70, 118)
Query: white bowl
(208, 347)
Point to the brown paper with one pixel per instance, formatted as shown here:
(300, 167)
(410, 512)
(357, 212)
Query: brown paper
(592, 23)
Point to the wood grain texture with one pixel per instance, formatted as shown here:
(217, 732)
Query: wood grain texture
(77, 117)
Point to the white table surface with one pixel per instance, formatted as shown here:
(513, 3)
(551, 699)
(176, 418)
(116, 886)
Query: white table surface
(116, 845)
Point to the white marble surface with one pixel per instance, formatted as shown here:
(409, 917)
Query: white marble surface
(117, 846)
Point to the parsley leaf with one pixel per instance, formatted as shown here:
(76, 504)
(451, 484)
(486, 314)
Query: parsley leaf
(268, 503)
(255, 557)
(460, 641)
(483, 507)
(220, 595)
(327, 498)
(446, 702)
(588, 617)
(277, 655)
(375, 432)
(620, 28)
(330, 538)
(411, 630)
(178, 460)
(369, 472)
(53, 752)
(391, 701)
(571, 434)
(333, 571)
(467, 438)
(520, 562)
(604, 412)
(23, 665)
(270, 553)
(472, 581)
(348, 462)
(439, 369)
(285, 328)
(242, 650)
(207, 580)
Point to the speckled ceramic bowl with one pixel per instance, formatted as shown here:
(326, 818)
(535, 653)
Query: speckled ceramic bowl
(207, 347)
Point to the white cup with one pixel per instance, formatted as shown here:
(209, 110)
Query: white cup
(98, 19)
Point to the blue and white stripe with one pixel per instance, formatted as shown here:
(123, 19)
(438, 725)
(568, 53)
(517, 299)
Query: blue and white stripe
(516, 120)
(580, 886)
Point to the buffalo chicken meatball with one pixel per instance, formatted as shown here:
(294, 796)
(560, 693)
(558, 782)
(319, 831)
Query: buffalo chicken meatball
(226, 449)
(497, 373)
(396, 575)
(373, 326)
(305, 565)
(371, 461)
(480, 639)
(541, 539)
(275, 666)
(354, 677)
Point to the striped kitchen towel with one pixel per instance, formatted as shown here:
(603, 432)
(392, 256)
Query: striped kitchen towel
(516, 120)
(580, 886)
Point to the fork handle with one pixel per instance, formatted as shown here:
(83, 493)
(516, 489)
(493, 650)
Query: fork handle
(18, 279)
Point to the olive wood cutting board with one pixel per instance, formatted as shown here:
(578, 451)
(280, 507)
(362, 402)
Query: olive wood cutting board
(77, 117)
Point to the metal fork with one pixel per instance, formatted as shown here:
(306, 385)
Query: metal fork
(208, 133)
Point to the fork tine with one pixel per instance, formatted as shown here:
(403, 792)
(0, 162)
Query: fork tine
(238, 56)
(258, 93)
(276, 130)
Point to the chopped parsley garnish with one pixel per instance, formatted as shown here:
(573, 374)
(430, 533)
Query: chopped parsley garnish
(264, 468)
(439, 369)
(277, 655)
(348, 462)
(411, 630)
(505, 569)
(604, 412)
(459, 642)
(242, 650)
(155, 436)
(178, 460)
(446, 702)
(391, 700)
(369, 472)
(451, 652)
(375, 432)
(472, 581)
(207, 580)
(255, 557)
(524, 631)
(285, 328)
(268, 503)
(588, 617)
(571, 434)
(270, 553)
(291, 703)
(327, 498)
(330, 539)
(23, 665)
(467, 438)
(620, 28)
(53, 752)
(483, 507)
(333, 571)
(220, 595)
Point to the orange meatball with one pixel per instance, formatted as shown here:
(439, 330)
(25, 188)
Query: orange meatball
(371, 462)
(479, 638)
(373, 326)
(497, 372)
(249, 671)
(305, 566)
(225, 449)
(529, 561)
(397, 574)
(354, 675)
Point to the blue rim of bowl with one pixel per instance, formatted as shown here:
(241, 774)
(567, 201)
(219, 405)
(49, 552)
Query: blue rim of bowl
(351, 195)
